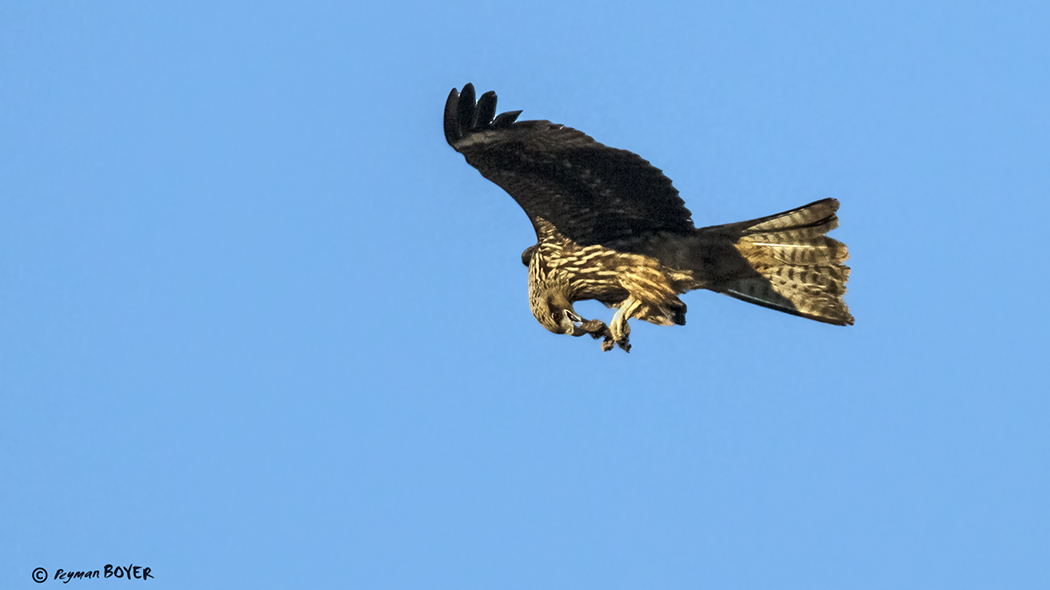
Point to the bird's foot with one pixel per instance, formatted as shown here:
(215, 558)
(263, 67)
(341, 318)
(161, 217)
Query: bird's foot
(597, 330)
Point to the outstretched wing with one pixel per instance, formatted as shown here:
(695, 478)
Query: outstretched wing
(592, 194)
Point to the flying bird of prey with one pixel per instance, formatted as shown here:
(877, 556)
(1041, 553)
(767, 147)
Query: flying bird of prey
(611, 227)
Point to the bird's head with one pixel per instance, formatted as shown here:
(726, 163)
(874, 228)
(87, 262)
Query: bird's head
(556, 316)
(547, 297)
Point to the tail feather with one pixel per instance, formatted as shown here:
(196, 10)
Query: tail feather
(794, 267)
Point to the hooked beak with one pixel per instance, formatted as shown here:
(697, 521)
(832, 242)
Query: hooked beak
(575, 318)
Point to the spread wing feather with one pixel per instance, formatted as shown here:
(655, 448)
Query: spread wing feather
(592, 193)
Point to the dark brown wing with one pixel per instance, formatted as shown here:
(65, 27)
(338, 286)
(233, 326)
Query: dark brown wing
(593, 194)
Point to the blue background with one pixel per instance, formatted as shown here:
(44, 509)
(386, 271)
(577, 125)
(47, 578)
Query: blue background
(261, 327)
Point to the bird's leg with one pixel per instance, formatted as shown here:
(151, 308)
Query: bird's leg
(620, 329)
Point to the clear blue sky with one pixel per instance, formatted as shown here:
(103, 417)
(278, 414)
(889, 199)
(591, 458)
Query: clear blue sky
(261, 327)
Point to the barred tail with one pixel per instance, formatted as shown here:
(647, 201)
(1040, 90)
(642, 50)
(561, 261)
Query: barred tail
(796, 268)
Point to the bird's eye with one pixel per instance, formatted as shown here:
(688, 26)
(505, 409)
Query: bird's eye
(555, 316)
